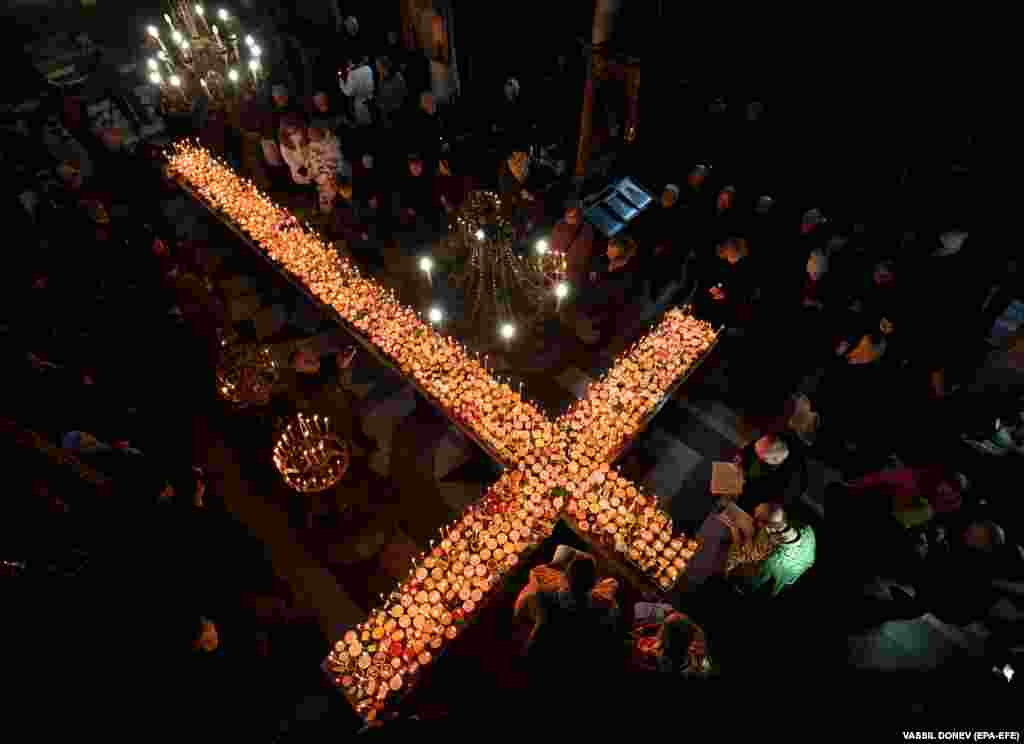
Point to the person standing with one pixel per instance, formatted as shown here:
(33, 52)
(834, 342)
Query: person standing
(575, 239)
(356, 82)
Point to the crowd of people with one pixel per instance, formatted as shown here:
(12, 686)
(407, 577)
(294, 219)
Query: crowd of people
(115, 321)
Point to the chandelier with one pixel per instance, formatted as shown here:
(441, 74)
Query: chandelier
(203, 57)
(503, 291)
(309, 456)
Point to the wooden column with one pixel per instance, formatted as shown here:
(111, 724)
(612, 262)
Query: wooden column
(604, 23)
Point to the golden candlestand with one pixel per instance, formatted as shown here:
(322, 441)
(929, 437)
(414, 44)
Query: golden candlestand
(246, 375)
(309, 456)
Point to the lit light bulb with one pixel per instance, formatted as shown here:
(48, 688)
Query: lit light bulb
(256, 51)
(435, 315)
(542, 247)
(249, 41)
(161, 55)
(233, 75)
(479, 234)
(185, 45)
(200, 10)
(154, 77)
(151, 64)
(562, 290)
(507, 331)
(254, 64)
(153, 31)
(175, 81)
(222, 14)
(426, 264)
(178, 38)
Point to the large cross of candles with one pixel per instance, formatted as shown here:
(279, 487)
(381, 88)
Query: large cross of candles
(554, 468)
(309, 456)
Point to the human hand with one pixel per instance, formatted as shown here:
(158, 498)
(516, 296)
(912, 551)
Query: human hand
(843, 347)
(372, 203)
(886, 326)
(717, 293)
(364, 236)
(159, 247)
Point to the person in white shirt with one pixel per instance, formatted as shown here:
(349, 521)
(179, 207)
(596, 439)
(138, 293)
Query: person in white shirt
(357, 84)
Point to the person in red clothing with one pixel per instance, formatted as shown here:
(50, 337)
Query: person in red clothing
(574, 238)
(914, 494)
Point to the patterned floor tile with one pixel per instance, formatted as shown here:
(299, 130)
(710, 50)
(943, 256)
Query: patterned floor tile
(453, 451)
(674, 460)
(575, 381)
(270, 321)
(460, 495)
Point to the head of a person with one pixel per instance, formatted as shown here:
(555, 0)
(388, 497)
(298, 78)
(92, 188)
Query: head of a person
(582, 575)
(352, 25)
(384, 67)
(817, 265)
(511, 89)
(206, 639)
(415, 166)
(322, 102)
(427, 104)
(367, 160)
(770, 517)
(279, 93)
(811, 220)
(305, 362)
(519, 163)
(292, 132)
(884, 273)
(676, 634)
(984, 536)
(621, 249)
(764, 204)
(572, 215)
(771, 449)
(733, 250)
(70, 175)
(697, 176)
(345, 188)
(669, 195)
